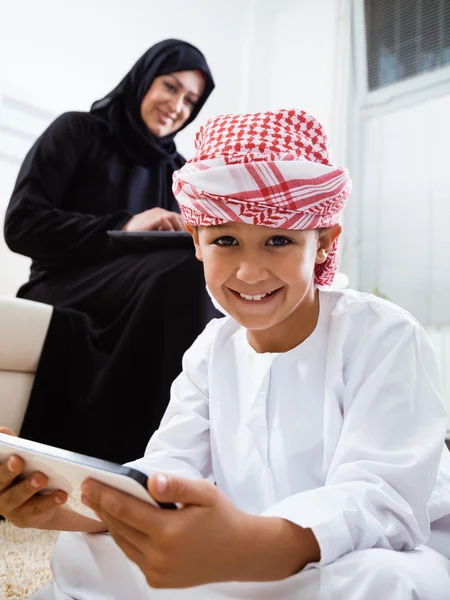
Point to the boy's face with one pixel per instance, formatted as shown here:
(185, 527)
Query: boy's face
(261, 275)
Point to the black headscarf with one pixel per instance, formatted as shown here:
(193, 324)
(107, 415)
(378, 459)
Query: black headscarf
(120, 109)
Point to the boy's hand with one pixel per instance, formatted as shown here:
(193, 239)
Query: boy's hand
(207, 540)
(18, 501)
(197, 544)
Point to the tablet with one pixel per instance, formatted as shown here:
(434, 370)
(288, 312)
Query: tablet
(67, 470)
(151, 240)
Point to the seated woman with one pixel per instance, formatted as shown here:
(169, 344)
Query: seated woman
(123, 319)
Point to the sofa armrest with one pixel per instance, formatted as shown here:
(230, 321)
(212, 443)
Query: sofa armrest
(23, 327)
(15, 389)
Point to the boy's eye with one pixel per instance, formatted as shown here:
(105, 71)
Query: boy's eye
(225, 240)
(279, 240)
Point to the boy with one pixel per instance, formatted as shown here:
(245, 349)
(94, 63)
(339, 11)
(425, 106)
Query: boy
(317, 413)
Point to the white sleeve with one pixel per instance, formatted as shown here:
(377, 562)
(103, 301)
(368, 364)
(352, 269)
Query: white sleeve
(386, 461)
(181, 444)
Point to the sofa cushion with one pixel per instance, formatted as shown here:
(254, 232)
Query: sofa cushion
(23, 327)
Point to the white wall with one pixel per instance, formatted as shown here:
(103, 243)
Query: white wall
(62, 56)
(67, 54)
(298, 59)
(404, 248)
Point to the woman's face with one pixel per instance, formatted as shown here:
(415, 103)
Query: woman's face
(170, 100)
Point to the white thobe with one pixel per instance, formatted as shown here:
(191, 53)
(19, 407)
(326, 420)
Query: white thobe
(343, 434)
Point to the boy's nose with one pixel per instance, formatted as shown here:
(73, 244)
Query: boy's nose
(251, 272)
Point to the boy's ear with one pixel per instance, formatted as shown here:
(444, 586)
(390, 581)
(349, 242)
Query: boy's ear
(194, 233)
(325, 240)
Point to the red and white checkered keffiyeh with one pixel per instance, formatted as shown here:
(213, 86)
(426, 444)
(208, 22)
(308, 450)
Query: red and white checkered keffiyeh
(268, 168)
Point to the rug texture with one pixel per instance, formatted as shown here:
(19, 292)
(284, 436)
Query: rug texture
(24, 560)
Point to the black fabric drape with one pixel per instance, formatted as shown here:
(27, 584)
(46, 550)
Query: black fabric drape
(105, 374)
(122, 319)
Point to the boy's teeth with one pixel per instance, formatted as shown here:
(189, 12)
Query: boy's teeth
(253, 297)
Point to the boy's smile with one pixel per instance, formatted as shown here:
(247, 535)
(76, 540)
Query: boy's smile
(256, 297)
(264, 278)
(252, 304)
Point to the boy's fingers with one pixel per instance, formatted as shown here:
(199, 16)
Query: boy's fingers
(129, 549)
(134, 535)
(39, 505)
(115, 507)
(20, 493)
(7, 431)
(166, 488)
(9, 470)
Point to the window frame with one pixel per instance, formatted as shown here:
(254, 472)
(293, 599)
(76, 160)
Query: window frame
(396, 95)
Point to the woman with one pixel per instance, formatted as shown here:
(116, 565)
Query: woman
(123, 319)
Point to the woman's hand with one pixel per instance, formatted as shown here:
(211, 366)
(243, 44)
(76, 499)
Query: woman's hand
(155, 219)
(207, 540)
(18, 501)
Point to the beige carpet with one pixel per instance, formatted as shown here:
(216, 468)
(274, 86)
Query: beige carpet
(24, 560)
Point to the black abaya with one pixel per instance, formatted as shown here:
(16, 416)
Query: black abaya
(104, 378)
(122, 320)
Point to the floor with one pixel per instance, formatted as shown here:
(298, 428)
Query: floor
(24, 560)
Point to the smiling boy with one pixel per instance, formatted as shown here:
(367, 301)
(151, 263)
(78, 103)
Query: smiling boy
(264, 278)
(316, 413)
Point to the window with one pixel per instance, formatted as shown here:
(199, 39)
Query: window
(405, 38)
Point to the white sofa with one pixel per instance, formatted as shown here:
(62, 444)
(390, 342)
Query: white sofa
(23, 327)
